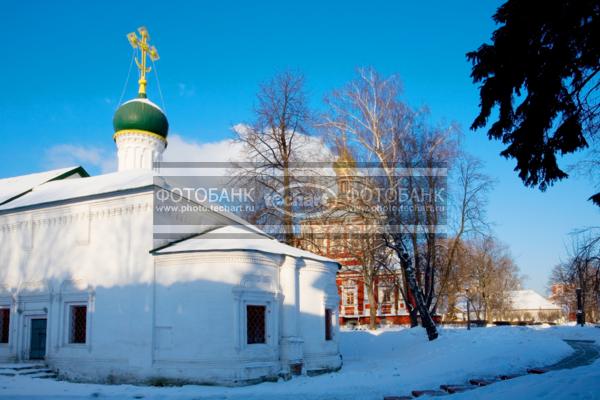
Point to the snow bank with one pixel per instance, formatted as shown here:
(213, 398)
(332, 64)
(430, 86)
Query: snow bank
(387, 362)
(572, 384)
(403, 361)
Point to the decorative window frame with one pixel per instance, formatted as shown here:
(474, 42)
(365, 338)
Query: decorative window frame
(256, 290)
(33, 300)
(381, 289)
(349, 288)
(73, 293)
(68, 312)
(7, 301)
(349, 285)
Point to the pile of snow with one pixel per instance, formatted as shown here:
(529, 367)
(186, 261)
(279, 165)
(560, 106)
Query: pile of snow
(530, 300)
(376, 364)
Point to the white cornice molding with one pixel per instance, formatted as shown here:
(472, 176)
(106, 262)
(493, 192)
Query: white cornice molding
(66, 214)
(216, 256)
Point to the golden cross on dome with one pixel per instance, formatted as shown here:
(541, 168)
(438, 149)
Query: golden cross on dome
(145, 48)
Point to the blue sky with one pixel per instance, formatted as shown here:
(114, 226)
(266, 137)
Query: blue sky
(63, 67)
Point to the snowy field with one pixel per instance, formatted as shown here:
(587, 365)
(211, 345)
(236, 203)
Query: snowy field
(387, 362)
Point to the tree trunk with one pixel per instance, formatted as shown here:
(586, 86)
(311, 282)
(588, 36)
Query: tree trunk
(372, 307)
(413, 315)
(410, 303)
(426, 320)
(288, 210)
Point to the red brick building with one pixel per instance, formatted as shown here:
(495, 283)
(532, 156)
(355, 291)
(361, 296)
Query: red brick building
(354, 303)
(564, 295)
(333, 235)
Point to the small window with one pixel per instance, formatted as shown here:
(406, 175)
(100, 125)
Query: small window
(4, 324)
(387, 295)
(255, 324)
(328, 325)
(349, 297)
(78, 324)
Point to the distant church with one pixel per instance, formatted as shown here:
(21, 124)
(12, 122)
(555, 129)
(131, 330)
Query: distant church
(86, 287)
(336, 234)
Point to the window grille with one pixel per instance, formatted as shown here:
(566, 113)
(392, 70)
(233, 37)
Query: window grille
(4, 324)
(78, 324)
(255, 324)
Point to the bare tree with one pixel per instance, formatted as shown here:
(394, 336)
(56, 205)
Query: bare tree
(490, 274)
(563, 288)
(373, 256)
(472, 188)
(368, 114)
(589, 166)
(581, 271)
(349, 223)
(274, 144)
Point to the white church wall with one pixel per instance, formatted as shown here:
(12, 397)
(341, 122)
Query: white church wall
(102, 242)
(200, 301)
(175, 316)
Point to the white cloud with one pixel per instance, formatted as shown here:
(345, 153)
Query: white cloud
(227, 150)
(182, 149)
(179, 149)
(65, 155)
(308, 148)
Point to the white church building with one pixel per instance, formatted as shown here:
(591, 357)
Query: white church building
(87, 287)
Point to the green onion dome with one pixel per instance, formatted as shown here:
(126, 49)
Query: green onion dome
(141, 114)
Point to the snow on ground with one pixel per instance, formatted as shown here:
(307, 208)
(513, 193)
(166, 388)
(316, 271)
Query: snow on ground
(578, 383)
(386, 362)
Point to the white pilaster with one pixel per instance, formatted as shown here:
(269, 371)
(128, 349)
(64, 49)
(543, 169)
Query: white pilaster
(291, 342)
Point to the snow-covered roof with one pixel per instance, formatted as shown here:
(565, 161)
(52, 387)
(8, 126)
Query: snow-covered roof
(530, 300)
(66, 189)
(14, 187)
(238, 237)
(61, 190)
